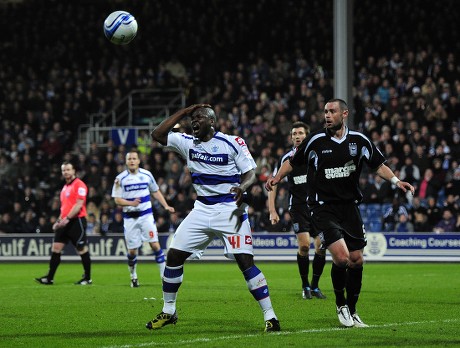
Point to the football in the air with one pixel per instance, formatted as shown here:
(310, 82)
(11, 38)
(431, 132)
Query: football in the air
(120, 27)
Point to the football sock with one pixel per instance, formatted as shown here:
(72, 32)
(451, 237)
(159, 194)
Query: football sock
(318, 266)
(54, 263)
(132, 265)
(339, 280)
(86, 261)
(172, 280)
(354, 282)
(304, 264)
(160, 259)
(258, 287)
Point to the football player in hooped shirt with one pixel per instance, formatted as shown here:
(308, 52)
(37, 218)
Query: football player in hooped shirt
(335, 157)
(222, 169)
(132, 190)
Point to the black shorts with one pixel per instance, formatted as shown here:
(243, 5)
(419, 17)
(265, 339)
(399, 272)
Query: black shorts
(336, 221)
(74, 231)
(301, 221)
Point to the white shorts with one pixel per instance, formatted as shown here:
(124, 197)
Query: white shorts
(140, 230)
(206, 222)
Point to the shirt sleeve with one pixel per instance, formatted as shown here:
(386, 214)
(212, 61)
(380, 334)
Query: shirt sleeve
(244, 160)
(82, 190)
(153, 186)
(180, 143)
(117, 189)
(376, 159)
(298, 158)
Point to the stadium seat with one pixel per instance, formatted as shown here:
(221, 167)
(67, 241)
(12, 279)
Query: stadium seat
(374, 210)
(375, 226)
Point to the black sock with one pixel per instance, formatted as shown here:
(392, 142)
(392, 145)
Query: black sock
(304, 263)
(354, 282)
(54, 263)
(86, 261)
(339, 281)
(318, 266)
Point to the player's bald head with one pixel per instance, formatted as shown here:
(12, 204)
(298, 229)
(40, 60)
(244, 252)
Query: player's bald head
(208, 112)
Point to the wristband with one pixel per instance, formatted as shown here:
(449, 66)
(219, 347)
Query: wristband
(394, 180)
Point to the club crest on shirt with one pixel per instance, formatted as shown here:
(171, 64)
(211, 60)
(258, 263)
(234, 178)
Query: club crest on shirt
(353, 148)
(215, 148)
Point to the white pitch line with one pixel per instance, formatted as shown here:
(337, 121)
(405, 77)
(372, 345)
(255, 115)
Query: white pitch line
(281, 333)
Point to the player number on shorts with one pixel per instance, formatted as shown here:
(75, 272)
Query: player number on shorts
(234, 241)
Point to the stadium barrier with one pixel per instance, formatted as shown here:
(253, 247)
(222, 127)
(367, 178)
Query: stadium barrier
(429, 247)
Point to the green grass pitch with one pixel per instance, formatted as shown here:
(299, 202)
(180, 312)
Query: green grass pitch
(405, 304)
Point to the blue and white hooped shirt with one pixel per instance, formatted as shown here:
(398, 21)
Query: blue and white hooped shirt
(131, 186)
(215, 166)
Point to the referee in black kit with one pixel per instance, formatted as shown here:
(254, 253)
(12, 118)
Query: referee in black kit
(335, 156)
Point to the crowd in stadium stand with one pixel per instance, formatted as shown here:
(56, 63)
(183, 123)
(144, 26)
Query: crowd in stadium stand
(406, 101)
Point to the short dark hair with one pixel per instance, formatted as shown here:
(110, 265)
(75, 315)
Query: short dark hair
(134, 150)
(300, 124)
(342, 103)
(69, 162)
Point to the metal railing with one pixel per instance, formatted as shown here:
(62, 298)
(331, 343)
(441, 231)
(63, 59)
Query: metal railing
(141, 109)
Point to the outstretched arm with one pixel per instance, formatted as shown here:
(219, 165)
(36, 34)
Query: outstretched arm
(160, 198)
(285, 169)
(386, 173)
(160, 133)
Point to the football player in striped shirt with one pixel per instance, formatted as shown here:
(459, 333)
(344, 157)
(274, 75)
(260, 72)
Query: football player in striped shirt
(221, 170)
(132, 190)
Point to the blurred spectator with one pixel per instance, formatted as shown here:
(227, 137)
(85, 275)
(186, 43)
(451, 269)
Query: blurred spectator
(421, 222)
(433, 212)
(420, 159)
(392, 215)
(52, 148)
(5, 170)
(174, 222)
(282, 200)
(447, 222)
(28, 222)
(6, 224)
(116, 226)
(104, 224)
(182, 204)
(43, 225)
(404, 224)
(428, 187)
(257, 198)
(453, 185)
(162, 224)
(92, 227)
(452, 203)
(286, 222)
(377, 190)
(410, 172)
(93, 177)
